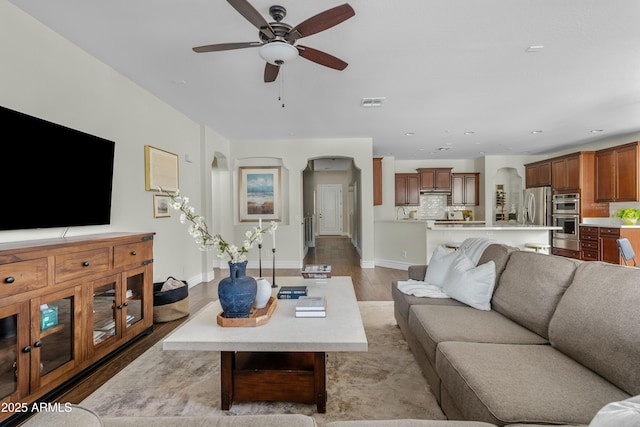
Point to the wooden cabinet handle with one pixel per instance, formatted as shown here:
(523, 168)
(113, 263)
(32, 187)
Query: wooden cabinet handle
(86, 264)
(9, 279)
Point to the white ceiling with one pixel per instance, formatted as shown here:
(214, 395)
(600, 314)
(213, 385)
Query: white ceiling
(444, 67)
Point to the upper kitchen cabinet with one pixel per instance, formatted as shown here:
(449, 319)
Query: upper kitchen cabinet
(465, 189)
(435, 179)
(617, 173)
(407, 189)
(538, 174)
(565, 173)
(377, 181)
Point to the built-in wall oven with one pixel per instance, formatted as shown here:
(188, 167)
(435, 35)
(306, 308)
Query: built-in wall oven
(566, 215)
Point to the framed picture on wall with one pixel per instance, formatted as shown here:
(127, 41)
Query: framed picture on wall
(161, 206)
(260, 193)
(161, 169)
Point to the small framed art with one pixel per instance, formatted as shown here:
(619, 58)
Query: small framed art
(161, 206)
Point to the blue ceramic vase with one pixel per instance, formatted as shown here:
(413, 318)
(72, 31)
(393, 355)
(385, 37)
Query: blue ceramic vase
(237, 292)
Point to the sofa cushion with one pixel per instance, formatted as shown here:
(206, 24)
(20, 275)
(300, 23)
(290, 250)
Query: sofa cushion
(499, 254)
(509, 383)
(403, 302)
(432, 325)
(531, 286)
(597, 322)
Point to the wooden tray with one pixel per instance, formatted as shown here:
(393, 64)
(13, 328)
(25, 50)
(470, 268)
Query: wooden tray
(258, 316)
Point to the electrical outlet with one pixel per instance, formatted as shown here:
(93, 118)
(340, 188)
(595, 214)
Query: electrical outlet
(404, 254)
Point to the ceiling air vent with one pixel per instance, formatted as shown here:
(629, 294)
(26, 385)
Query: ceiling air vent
(371, 102)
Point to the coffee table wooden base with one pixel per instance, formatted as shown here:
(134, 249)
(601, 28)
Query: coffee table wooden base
(280, 376)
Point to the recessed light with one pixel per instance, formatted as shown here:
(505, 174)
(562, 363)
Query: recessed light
(535, 132)
(481, 152)
(596, 130)
(469, 133)
(534, 48)
(409, 134)
(179, 82)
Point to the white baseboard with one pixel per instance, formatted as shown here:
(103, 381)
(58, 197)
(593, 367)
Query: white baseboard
(396, 265)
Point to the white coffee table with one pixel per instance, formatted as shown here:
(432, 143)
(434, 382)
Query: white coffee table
(283, 359)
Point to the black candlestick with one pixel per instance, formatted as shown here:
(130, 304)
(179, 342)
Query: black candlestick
(273, 283)
(260, 258)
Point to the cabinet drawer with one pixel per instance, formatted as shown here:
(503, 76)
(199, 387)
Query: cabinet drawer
(609, 232)
(588, 236)
(132, 254)
(78, 264)
(590, 255)
(589, 244)
(588, 230)
(23, 276)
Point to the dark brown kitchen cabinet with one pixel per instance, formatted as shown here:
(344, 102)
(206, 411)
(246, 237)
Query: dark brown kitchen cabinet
(617, 173)
(435, 179)
(407, 189)
(377, 181)
(465, 189)
(601, 243)
(565, 173)
(538, 174)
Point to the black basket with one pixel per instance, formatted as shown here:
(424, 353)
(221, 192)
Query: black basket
(171, 304)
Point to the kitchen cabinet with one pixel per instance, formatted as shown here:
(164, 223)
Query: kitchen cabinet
(465, 189)
(601, 243)
(435, 179)
(538, 174)
(48, 308)
(377, 181)
(565, 173)
(617, 173)
(407, 187)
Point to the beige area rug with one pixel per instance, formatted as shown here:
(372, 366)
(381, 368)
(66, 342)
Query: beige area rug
(383, 383)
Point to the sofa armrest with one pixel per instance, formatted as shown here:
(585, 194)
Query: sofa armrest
(417, 272)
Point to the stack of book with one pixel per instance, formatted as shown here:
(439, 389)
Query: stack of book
(317, 271)
(311, 307)
(292, 292)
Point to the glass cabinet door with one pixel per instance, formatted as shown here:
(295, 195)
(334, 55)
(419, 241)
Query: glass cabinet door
(105, 310)
(14, 364)
(133, 299)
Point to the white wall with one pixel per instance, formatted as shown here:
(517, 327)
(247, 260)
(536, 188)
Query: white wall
(44, 75)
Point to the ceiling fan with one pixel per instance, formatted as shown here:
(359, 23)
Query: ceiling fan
(277, 39)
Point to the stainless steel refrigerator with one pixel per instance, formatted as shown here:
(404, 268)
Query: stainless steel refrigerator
(537, 205)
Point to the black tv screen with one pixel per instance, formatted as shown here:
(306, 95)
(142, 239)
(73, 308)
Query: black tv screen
(54, 176)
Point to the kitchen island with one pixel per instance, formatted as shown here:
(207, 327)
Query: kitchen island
(401, 243)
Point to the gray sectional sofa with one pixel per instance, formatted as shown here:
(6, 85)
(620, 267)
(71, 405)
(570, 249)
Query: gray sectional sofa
(561, 340)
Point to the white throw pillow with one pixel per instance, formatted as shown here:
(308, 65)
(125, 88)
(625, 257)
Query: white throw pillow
(470, 284)
(439, 265)
(625, 413)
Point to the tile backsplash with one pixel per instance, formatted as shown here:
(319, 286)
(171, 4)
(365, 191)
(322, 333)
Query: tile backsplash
(432, 206)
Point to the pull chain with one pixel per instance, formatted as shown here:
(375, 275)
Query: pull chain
(281, 86)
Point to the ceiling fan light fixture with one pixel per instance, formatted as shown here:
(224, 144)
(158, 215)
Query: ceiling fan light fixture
(278, 52)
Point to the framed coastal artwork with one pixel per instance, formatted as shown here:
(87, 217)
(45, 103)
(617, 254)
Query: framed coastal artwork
(260, 196)
(161, 169)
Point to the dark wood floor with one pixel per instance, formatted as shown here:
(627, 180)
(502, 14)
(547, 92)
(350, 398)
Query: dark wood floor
(373, 284)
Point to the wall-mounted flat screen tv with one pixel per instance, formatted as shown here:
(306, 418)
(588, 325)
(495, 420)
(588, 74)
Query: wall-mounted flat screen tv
(53, 176)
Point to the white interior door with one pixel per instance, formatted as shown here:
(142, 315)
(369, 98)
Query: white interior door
(329, 209)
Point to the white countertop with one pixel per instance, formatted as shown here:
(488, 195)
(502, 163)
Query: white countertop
(495, 227)
(607, 222)
(341, 330)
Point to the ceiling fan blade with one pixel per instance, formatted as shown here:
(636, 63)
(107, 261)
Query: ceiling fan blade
(270, 72)
(225, 46)
(320, 22)
(252, 15)
(322, 58)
